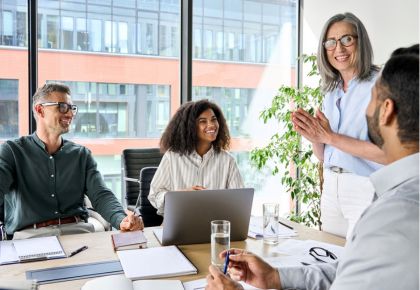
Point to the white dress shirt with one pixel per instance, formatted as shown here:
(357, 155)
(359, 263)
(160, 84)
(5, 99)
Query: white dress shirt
(178, 172)
(383, 251)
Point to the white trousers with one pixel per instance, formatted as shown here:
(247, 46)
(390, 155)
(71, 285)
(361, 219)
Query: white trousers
(344, 198)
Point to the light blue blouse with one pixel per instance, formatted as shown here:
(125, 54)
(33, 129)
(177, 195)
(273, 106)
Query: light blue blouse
(346, 112)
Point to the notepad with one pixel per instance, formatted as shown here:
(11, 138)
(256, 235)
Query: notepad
(29, 250)
(128, 240)
(156, 262)
(122, 283)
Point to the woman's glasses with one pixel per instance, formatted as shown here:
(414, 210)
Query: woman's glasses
(62, 107)
(345, 40)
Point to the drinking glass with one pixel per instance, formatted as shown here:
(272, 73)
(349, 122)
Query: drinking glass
(271, 223)
(220, 241)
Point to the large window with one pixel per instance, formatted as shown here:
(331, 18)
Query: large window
(14, 105)
(121, 61)
(247, 45)
(9, 126)
(109, 110)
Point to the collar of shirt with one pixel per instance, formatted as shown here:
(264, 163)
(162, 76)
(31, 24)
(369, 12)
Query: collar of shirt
(206, 156)
(41, 144)
(386, 178)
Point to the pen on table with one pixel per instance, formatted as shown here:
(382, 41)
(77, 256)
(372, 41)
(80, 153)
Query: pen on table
(287, 226)
(226, 263)
(78, 251)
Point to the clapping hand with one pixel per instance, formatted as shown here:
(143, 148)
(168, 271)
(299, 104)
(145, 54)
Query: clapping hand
(315, 129)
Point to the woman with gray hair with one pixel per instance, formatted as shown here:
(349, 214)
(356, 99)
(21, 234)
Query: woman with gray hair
(339, 134)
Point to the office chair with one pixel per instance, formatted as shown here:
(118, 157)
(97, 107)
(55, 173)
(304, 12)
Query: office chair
(147, 211)
(133, 161)
(3, 235)
(98, 222)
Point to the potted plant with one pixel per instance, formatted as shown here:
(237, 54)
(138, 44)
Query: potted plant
(287, 150)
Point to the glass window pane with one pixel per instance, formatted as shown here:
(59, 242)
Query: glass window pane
(249, 46)
(125, 97)
(14, 103)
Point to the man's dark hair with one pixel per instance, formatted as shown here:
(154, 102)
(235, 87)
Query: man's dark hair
(414, 49)
(44, 91)
(400, 83)
(181, 133)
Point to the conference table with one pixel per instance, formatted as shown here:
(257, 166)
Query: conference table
(100, 249)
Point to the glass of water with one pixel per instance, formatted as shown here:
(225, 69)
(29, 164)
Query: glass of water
(220, 241)
(271, 223)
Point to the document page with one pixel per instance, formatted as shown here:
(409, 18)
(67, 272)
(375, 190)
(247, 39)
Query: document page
(256, 229)
(153, 263)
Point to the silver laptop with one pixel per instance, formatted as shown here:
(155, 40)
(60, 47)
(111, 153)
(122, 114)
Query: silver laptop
(188, 215)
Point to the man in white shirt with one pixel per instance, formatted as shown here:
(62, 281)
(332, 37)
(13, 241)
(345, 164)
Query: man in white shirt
(383, 250)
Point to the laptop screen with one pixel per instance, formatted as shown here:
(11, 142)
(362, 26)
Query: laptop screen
(188, 214)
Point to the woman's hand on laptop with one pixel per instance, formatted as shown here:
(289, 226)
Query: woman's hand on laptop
(195, 187)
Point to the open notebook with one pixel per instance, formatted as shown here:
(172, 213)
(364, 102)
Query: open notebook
(155, 263)
(29, 250)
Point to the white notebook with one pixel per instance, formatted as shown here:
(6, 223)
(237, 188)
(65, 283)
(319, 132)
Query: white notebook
(27, 250)
(119, 282)
(153, 263)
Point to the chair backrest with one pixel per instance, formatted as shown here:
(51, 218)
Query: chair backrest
(147, 211)
(2, 229)
(133, 160)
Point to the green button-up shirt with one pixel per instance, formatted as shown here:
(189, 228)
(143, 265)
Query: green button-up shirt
(36, 186)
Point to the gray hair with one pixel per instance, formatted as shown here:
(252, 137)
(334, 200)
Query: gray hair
(330, 77)
(43, 92)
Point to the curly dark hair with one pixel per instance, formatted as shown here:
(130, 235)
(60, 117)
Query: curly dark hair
(181, 133)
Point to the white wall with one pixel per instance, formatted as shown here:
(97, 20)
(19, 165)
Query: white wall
(390, 23)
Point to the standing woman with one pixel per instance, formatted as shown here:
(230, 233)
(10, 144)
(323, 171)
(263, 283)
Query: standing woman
(339, 135)
(195, 143)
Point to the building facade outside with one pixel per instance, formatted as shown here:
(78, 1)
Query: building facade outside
(121, 61)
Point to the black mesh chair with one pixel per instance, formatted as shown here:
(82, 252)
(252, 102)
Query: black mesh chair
(147, 211)
(3, 235)
(133, 161)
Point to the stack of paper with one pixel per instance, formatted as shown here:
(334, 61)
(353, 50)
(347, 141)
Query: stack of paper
(256, 229)
(155, 262)
(297, 253)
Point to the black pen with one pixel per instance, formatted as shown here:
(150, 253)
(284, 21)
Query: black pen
(287, 226)
(78, 251)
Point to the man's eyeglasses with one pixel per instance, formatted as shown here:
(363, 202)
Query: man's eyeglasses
(345, 40)
(62, 107)
(321, 254)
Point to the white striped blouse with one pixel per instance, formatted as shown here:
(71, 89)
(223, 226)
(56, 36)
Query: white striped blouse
(176, 172)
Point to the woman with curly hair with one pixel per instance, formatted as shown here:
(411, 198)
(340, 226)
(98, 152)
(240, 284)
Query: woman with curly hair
(195, 144)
